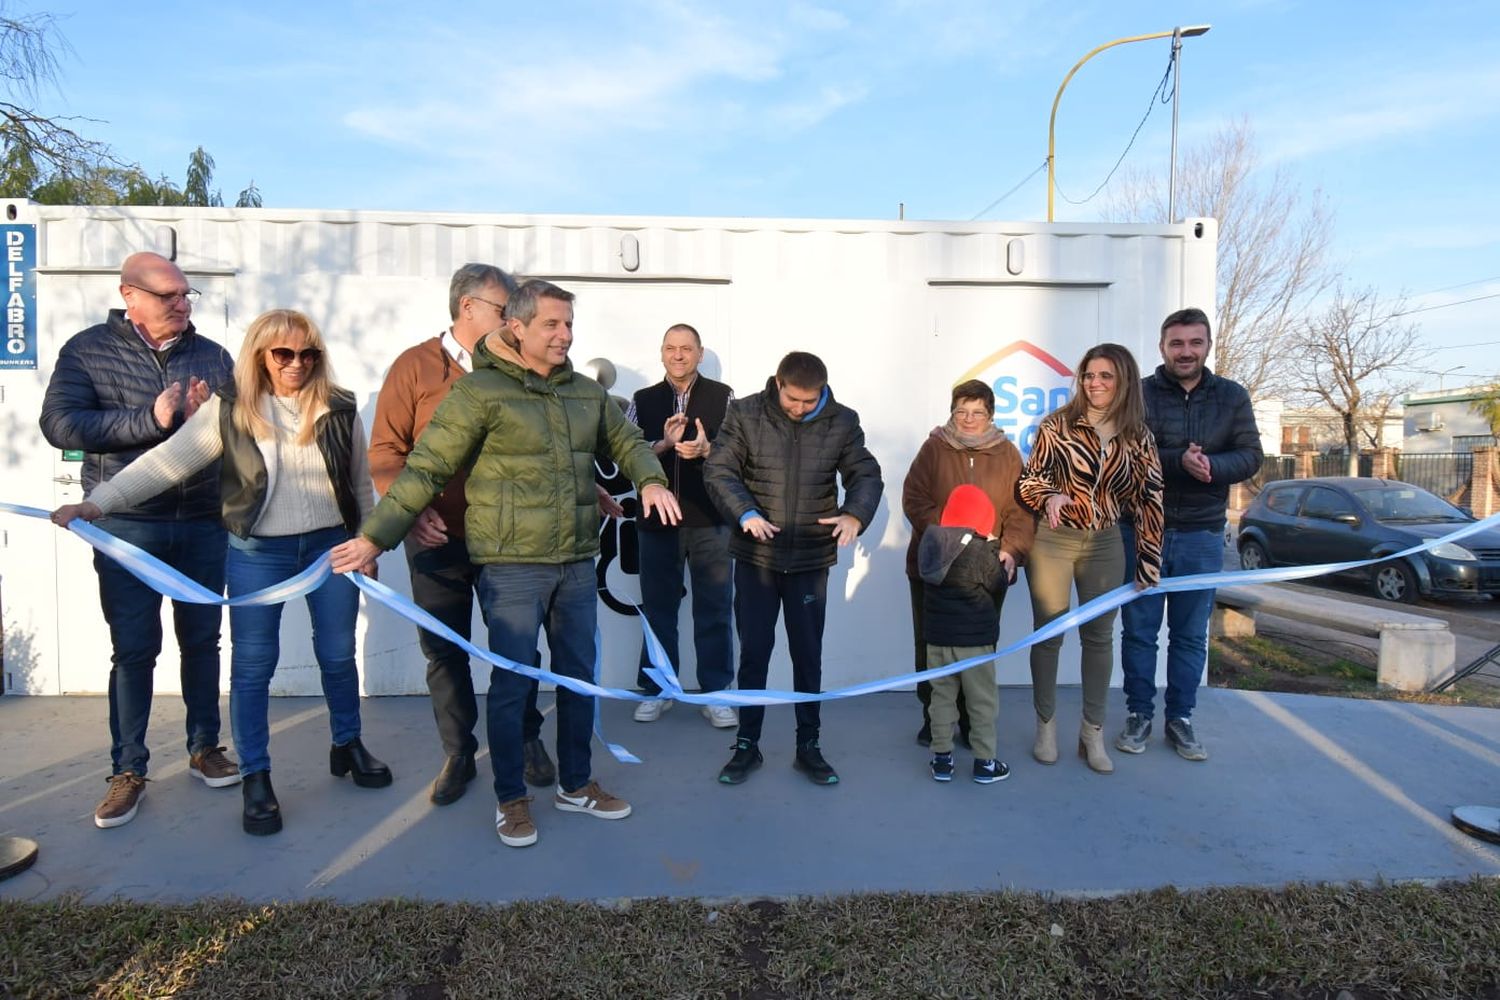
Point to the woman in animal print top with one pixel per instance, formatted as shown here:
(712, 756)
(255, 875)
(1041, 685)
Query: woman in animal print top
(1093, 461)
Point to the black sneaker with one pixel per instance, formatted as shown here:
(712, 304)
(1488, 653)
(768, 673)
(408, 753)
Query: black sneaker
(941, 766)
(811, 763)
(1184, 741)
(746, 759)
(987, 772)
(1137, 732)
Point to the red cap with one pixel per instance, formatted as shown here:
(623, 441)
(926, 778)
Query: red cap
(968, 507)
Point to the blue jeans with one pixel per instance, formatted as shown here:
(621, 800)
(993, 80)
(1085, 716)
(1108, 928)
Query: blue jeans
(133, 612)
(518, 599)
(255, 638)
(705, 551)
(442, 584)
(1183, 553)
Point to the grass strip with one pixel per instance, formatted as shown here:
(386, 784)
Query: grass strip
(1300, 942)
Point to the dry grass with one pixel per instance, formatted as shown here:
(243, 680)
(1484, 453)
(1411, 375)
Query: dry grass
(1302, 942)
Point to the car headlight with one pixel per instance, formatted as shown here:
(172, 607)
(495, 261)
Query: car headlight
(1453, 551)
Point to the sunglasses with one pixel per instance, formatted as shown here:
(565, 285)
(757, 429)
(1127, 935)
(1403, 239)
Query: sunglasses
(284, 356)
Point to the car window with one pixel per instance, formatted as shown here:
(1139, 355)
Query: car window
(1408, 503)
(1327, 504)
(1284, 500)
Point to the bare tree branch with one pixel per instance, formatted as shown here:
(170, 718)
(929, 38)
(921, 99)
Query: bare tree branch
(1272, 253)
(1348, 355)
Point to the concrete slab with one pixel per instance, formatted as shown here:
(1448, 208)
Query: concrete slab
(1299, 788)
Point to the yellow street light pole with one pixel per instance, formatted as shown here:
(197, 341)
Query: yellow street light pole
(1175, 34)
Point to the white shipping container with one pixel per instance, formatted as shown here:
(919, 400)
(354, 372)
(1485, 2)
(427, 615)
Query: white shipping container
(899, 310)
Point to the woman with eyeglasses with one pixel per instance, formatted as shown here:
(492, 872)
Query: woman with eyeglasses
(295, 482)
(967, 448)
(1093, 460)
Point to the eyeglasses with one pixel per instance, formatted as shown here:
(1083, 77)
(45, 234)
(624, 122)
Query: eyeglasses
(498, 307)
(971, 414)
(170, 298)
(284, 356)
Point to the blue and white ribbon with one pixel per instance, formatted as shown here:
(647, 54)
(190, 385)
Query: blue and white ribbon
(170, 583)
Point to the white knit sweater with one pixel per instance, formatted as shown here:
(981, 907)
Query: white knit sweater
(299, 496)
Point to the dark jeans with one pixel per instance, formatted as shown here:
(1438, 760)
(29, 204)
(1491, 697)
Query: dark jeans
(442, 584)
(255, 638)
(705, 552)
(1183, 553)
(133, 612)
(760, 597)
(518, 599)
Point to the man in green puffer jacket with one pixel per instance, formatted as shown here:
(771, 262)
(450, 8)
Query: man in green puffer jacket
(527, 428)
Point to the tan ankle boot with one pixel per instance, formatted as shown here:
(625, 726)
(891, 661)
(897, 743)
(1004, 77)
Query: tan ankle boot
(1045, 747)
(1091, 748)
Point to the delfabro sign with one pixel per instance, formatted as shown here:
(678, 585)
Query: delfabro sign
(20, 297)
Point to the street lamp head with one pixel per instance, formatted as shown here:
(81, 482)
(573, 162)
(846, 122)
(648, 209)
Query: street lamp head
(1194, 31)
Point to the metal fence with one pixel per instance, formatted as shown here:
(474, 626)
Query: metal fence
(1272, 468)
(1444, 474)
(1336, 463)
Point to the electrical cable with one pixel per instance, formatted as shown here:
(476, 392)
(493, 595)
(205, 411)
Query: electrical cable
(1164, 94)
(975, 217)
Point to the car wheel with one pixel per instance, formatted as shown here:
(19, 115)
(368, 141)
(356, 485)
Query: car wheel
(1395, 581)
(1253, 556)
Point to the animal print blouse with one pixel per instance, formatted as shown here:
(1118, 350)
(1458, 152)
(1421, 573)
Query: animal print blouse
(1102, 482)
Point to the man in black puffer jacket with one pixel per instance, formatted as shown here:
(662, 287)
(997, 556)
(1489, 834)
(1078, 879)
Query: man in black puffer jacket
(775, 471)
(118, 389)
(1206, 435)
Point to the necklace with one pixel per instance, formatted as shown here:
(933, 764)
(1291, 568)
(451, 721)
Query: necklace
(288, 406)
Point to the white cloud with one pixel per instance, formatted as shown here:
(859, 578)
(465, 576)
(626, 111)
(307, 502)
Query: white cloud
(808, 112)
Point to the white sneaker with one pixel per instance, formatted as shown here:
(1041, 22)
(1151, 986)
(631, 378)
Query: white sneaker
(651, 710)
(720, 716)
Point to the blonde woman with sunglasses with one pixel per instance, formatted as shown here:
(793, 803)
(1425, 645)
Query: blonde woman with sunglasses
(295, 482)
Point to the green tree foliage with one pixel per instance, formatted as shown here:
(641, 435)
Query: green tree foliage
(1488, 407)
(46, 159)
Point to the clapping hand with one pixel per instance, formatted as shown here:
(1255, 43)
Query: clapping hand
(1195, 463)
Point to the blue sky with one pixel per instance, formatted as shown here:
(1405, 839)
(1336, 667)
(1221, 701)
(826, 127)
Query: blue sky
(834, 110)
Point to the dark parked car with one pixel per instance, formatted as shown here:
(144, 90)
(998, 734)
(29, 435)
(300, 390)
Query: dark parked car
(1300, 522)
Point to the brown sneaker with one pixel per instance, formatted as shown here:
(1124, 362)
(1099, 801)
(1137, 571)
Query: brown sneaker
(120, 802)
(216, 770)
(593, 800)
(513, 822)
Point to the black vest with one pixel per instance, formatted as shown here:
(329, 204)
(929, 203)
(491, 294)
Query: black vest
(242, 472)
(707, 402)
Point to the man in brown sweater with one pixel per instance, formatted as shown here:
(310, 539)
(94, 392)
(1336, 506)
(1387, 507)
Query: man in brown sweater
(442, 578)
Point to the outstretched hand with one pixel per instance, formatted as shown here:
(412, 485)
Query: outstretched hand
(660, 499)
(67, 512)
(356, 555)
(845, 527)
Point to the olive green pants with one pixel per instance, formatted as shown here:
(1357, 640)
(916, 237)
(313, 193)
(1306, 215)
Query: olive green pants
(1094, 562)
(981, 700)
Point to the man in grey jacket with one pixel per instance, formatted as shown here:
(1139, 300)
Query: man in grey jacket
(1206, 435)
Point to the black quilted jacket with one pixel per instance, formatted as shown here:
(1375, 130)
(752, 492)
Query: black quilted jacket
(1217, 417)
(789, 471)
(100, 401)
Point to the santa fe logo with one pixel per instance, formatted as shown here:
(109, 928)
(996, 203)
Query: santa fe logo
(1029, 383)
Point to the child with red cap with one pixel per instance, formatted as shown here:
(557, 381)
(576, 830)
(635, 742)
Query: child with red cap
(963, 581)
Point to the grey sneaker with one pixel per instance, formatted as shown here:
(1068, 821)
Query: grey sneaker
(1180, 735)
(1133, 737)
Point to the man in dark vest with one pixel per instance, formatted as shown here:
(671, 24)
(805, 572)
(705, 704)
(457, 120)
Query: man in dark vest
(680, 416)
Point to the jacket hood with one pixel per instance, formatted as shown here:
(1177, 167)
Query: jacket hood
(493, 352)
(940, 548)
(772, 397)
